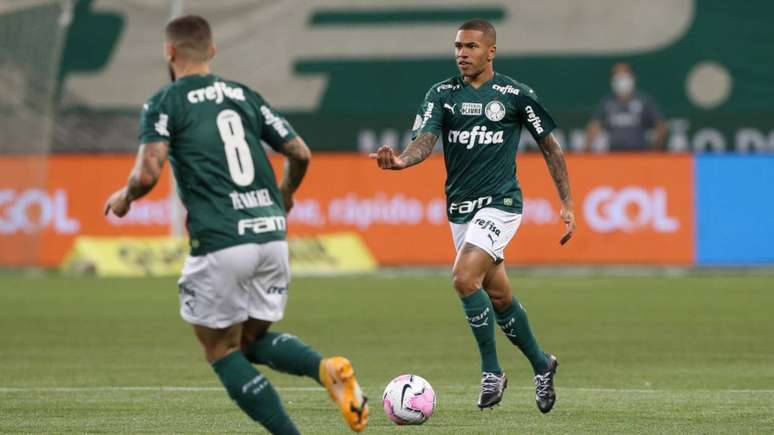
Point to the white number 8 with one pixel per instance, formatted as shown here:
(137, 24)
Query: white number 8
(240, 162)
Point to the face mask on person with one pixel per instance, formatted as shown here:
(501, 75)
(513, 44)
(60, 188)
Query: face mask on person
(622, 84)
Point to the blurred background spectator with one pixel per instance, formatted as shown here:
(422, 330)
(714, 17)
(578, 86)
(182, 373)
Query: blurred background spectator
(630, 118)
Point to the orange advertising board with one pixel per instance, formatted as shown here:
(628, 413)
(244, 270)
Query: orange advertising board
(631, 209)
(45, 203)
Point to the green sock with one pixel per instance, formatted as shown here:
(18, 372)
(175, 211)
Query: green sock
(513, 321)
(253, 393)
(479, 312)
(286, 353)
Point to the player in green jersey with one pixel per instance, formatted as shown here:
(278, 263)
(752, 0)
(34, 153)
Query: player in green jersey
(479, 116)
(235, 282)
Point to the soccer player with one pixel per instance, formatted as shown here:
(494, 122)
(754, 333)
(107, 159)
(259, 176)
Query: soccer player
(479, 115)
(235, 282)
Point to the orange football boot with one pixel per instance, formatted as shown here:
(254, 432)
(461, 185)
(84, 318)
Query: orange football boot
(338, 377)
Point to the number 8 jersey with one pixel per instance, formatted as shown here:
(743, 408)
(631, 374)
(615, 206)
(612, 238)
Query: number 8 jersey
(214, 128)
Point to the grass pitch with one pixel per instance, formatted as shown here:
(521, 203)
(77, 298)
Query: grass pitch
(691, 354)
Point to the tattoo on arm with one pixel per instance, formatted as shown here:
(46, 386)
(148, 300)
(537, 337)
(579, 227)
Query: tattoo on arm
(298, 156)
(419, 149)
(147, 169)
(552, 153)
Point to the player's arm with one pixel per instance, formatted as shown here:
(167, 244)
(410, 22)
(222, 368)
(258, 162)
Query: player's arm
(297, 157)
(146, 172)
(417, 151)
(552, 153)
(427, 127)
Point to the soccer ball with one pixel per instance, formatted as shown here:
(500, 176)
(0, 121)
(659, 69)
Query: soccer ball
(409, 399)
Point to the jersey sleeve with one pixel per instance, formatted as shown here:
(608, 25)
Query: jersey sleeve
(429, 118)
(276, 130)
(533, 116)
(155, 120)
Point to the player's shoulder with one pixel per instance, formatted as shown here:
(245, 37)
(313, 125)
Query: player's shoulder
(507, 85)
(251, 94)
(445, 87)
(237, 85)
(161, 95)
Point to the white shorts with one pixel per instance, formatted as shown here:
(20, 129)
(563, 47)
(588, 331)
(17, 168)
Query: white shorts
(226, 287)
(490, 229)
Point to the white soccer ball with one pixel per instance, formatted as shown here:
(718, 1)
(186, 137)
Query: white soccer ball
(409, 399)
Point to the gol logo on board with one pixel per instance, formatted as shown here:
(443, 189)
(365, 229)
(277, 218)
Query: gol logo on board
(629, 209)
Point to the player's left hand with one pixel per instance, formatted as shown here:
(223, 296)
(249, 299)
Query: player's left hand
(119, 203)
(568, 217)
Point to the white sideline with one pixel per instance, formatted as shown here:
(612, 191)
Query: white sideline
(447, 387)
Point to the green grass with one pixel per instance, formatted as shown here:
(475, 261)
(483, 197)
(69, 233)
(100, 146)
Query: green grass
(639, 354)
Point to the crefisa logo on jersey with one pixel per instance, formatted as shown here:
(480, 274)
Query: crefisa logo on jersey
(479, 135)
(215, 93)
(534, 119)
(495, 111)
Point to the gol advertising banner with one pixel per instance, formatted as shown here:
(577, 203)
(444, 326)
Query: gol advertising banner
(45, 203)
(631, 209)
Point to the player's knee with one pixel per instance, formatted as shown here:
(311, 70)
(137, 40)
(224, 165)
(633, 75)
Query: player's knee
(219, 349)
(249, 337)
(500, 302)
(465, 283)
(216, 353)
(247, 340)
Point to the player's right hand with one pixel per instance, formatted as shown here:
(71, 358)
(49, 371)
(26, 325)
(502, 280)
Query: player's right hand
(568, 217)
(118, 203)
(387, 159)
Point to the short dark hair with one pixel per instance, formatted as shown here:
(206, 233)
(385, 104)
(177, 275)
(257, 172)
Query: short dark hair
(191, 35)
(482, 26)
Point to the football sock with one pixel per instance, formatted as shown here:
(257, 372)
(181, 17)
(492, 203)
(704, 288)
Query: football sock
(286, 353)
(253, 393)
(513, 321)
(480, 315)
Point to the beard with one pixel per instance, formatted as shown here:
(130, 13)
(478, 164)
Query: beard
(171, 72)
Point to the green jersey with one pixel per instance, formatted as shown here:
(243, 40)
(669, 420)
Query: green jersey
(214, 128)
(480, 129)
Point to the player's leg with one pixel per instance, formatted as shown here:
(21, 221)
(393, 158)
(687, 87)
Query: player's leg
(512, 318)
(268, 293)
(280, 351)
(211, 300)
(470, 268)
(245, 385)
